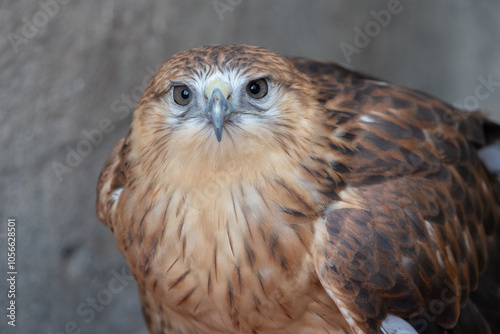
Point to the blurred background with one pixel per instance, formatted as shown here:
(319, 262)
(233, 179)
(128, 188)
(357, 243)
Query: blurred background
(73, 71)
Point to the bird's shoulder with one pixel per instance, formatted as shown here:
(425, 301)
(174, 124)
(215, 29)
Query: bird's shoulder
(411, 226)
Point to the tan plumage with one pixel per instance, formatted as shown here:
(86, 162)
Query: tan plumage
(328, 203)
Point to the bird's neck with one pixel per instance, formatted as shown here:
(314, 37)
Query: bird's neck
(243, 181)
(275, 173)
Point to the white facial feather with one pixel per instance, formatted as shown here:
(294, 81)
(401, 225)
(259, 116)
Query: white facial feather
(245, 107)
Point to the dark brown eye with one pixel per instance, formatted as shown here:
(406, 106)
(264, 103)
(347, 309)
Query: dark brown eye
(257, 88)
(182, 95)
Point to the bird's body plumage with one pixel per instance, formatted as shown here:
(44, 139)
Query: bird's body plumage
(327, 204)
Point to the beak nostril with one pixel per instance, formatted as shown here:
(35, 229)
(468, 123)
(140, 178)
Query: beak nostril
(219, 84)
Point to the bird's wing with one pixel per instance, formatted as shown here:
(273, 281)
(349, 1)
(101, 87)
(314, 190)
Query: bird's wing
(417, 220)
(111, 181)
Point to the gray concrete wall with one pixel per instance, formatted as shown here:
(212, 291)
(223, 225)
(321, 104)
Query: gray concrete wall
(65, 67)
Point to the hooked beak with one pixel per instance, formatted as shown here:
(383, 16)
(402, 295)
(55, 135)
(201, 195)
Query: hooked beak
(218, 108)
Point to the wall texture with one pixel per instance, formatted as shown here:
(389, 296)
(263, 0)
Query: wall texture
(71, 69)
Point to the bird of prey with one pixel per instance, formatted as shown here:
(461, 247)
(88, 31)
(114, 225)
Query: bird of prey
(256, 193)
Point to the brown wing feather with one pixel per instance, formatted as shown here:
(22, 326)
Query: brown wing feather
(410, 233)
(112, 178)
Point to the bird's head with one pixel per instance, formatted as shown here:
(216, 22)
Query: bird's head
(211, 103)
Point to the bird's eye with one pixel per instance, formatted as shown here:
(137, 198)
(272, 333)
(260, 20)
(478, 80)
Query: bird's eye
(182, 95)
(257, 88)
